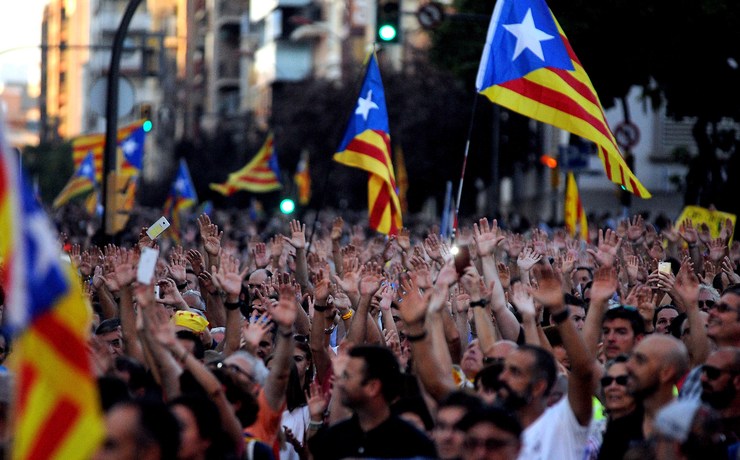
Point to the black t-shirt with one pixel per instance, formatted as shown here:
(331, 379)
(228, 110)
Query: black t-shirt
(622, 433)
(393, 438)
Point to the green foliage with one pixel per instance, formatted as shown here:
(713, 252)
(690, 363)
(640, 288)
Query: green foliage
(51, 165)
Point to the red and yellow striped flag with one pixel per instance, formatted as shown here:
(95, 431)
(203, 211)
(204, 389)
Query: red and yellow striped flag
(402, 178)
(529, 67)
(575, 217)
(56, 408)
(260, 175)
(95, 143)
(302, 179)
(367, 145)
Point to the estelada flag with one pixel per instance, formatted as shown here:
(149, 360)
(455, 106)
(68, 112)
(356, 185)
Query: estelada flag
(260, 175)
(81, 182)
(302, 179)
(56, 407)
(95, 143)
(528, 66)
(575, 217)
(367, 145)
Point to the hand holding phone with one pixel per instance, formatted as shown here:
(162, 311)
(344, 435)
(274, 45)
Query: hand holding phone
(157, 228)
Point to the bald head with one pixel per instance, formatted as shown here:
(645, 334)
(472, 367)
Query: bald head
(668, 350)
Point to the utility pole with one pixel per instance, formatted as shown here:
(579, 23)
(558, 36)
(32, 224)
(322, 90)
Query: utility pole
(111, 118)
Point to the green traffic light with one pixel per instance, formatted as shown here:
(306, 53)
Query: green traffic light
(287, 206)
(147, 125)
(387, 32)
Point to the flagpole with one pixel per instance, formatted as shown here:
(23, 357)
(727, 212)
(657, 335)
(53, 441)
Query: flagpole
(462, 173)
(357, 94)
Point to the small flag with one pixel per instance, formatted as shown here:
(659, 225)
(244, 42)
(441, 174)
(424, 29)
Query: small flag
(302, 179)
(260, 175)
(529, 67)
(575, 217)
(402, 178)
(56, 408)
(131, 153)
(82, 181)
(367, 145)
(182, 196)
(95, 143)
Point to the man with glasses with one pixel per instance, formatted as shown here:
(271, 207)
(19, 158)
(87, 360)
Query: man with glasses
(723, 328)
(720, 382)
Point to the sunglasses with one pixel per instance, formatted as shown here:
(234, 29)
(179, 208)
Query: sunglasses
(723, 308)
(490, 444)
(708, 303)
(607, 380)
(234, 368)
(713, 373)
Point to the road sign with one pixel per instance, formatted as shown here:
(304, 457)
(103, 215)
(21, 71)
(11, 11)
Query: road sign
(430, 16)
(627, 135)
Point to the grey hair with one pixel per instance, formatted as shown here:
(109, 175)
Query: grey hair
(201, 305)
(259, 369)
(711, 290)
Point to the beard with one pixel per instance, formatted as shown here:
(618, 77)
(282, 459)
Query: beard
(511, 400)
(719, 399)
(646, 391)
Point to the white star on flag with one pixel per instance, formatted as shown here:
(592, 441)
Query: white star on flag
(129, 146)
(46, 248)
(365, 105)
(85, 170)
(528, 36)
(180, 185)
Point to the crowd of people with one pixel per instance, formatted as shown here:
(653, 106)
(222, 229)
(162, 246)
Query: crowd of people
(261, 342)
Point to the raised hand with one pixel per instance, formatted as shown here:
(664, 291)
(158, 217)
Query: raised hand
(350, 280)
(413, 306)
(726, 231)
(255, 329)
(205, 281)
(604, 284)
(404, 239)
(387, 293)
(421, 274)
(504, 275)
(432, 247)
(685, 288)
(717, 249)
(169, 294)
(196, 261)
(486, 237)
(297, 235)
(608, 245)
(527, 258)
(705, 235)
(370, 280)
(549, 290)
(317, 401)
(688, 232)
(177, 265)
(210, 235)
(516, 244)
(447, 275)
(636, 229)
(523, 300)
(261, 259)
(284, 312)
(229, 277)
(337, 228)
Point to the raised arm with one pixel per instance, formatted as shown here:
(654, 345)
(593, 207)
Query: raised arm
(487, 238)
(581, 384)
(603, 288)
(298, 241)
(284, 315)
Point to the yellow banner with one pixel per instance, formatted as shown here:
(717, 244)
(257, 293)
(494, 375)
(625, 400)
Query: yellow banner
(715, 220)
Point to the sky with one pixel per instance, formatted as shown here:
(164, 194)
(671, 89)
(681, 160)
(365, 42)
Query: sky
(20, 27)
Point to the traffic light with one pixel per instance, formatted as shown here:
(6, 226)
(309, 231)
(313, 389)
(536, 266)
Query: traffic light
(388, 21)
(146, 115)
(287, 206)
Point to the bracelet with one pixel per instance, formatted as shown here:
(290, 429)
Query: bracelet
(182, 286)
(416, 338)
(320, 308)
(315, 425)
(232, 305)
(561, 317)
(286, 334)
(479, 303)
(348, 315)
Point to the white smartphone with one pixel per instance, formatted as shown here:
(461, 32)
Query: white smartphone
(157, 228)
(156, 292)
(664, 267)
(147, 264)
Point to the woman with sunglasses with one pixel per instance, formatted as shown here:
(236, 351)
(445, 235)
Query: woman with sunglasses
(611, 437)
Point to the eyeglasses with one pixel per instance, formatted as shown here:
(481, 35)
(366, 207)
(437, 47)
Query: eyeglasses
(607, 380)
(723, 308)
(708, 303)
(490, 444)
(713, 373)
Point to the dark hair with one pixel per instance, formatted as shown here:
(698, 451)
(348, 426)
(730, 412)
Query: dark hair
(664, 307)
(247, 405)
(108, 325)
(676, 324)
(199, 351)
(553, 336)
(544, 367)
(380, 364)
(496, 416)
(570, 299)
(139, 377)
(156, 425)
(630, 314)
(294, 395)
(462, 399)
(208, 420)
(112, 391)
(306, 348)
(732, 289)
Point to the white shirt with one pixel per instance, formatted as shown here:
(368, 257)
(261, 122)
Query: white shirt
(555, 435)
